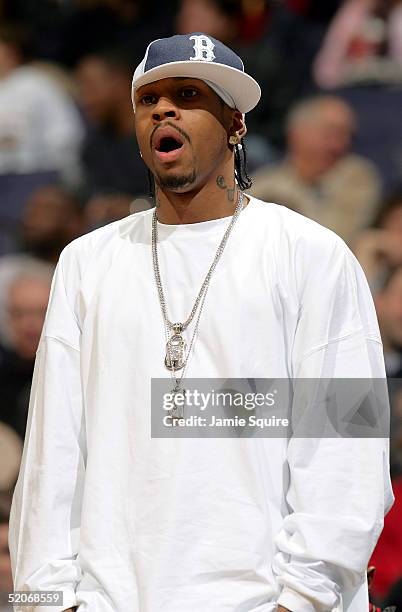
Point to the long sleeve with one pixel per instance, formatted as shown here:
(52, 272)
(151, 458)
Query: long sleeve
(45, 514)
(339, 487)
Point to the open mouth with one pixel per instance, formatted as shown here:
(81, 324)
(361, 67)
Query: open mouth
(167, 144)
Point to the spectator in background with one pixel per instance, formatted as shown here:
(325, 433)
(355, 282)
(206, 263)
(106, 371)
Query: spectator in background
(27, 299)
(51, 219)
(218, 18)
(106, 208)
(384, 246)
(380, 248)
(395, 395)
(319, 177)
(387, 555)
(6, 580)
(10, 458)
(40, 128)
(388, 302)
(242, 26)
(110, 154)
(363, 43)
(89, 24)
(293, 36)
(394, 596)
(370, 575)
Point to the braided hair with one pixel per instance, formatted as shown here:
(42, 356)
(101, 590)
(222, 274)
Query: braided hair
(241, 174)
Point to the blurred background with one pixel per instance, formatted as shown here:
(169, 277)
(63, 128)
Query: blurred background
(325, 140)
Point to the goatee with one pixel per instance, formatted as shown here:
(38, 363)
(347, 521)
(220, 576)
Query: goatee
(176, 182)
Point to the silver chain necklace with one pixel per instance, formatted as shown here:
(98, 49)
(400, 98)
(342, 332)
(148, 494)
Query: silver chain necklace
(176, 357)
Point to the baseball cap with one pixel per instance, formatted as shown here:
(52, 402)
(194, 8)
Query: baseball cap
(199, 56)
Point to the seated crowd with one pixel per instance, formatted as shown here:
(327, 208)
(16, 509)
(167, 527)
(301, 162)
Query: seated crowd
(69, 163)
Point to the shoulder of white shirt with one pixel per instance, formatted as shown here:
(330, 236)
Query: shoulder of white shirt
(275, 217)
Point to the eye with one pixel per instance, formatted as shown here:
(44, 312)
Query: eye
(188, 93)
(148, 99)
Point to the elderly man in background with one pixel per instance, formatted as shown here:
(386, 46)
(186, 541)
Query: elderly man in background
(27, 299)
(319, 177)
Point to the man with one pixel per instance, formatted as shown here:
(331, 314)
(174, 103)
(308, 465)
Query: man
(379, 248)
(51, 219)
(320, 178)
(120, 520)
(388, 301)
(40, 127)
(110, 152)
(27, 297)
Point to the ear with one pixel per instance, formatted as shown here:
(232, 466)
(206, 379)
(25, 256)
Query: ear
(238, 128)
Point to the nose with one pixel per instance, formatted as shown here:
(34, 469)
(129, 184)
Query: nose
(165, 109)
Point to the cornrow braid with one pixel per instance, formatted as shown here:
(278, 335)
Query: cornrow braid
(151, 185)
(240, 159)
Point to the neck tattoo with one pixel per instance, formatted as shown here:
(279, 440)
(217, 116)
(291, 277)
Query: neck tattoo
(220, 181)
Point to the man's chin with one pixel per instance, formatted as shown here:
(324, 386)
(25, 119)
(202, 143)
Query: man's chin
(177, 182)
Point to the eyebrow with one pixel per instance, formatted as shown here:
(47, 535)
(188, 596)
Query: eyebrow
(149, 86)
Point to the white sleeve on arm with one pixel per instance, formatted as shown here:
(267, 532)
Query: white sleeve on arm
(45, 514)
(339, 488)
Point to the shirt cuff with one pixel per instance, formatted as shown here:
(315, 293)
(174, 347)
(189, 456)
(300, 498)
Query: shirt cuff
(292, 600)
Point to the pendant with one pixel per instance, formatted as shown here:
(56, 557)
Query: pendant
(175, 350)
(177, 412)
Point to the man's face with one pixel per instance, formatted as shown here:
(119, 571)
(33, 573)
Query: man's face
(48, 220)
(97, 84)
(206, 16)
(325, 137)
(182, 130)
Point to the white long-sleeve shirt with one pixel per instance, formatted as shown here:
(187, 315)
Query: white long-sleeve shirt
(121, 521)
